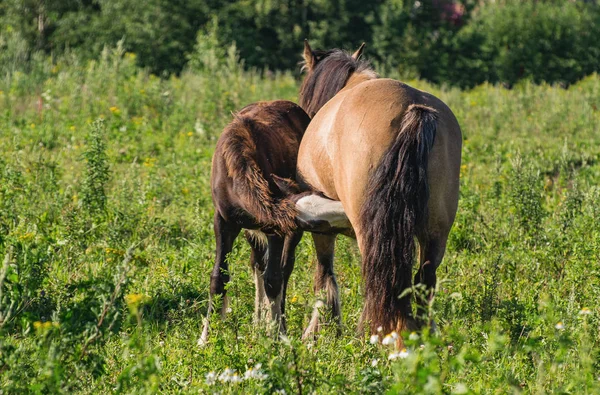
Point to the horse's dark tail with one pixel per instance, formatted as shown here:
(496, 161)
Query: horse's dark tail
(395, 208)
(249, 182)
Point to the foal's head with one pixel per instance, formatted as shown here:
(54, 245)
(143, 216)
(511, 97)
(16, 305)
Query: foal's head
(327, 73)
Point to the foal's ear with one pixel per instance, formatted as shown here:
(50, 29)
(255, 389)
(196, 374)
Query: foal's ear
(309, 56)
(285, 185)
(358, 52)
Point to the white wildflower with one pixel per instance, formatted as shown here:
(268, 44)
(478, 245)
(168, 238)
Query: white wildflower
(413, 336)
(559, 325)
(374, 362)
(394, 335)
(422, 347)
(395, 355)
(374, 339)
(226, 375)
(388, 340)
(379, 329)
(585, 311)
(255, 373)
(211, 378)
(235, 379)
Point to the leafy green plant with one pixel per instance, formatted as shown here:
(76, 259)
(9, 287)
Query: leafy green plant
(97, 172)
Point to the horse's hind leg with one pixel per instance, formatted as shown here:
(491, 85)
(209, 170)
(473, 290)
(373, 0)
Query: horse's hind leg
(324, 280)
(431, 252)
(273, 278)
(225, 234)
(288, 259)
(258, 244)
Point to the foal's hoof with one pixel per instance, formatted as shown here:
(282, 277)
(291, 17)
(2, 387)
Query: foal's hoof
(433, 328)
(310, 333)
(202, 342)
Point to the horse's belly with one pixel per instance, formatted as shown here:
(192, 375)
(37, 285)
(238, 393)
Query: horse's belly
(315, 166)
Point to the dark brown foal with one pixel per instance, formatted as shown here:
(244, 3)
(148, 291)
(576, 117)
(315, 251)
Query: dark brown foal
(261, 142)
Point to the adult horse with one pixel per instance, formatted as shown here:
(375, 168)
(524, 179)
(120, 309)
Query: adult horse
(260, 144)
(391, 155)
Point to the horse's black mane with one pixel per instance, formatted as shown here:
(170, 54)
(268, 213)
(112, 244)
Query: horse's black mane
(331, 71)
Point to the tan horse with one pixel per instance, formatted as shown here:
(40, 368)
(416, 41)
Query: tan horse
(391, 155)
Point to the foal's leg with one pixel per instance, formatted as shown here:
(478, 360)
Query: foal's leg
(225, 234)
(273, 278)
(288, 259)
(258, 264)
(324, 280)
(431, 252)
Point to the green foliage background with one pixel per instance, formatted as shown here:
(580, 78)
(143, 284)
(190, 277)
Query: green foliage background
(106, 242)
(460, 43)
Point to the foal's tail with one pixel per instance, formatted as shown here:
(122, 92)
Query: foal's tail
(395, 208)
(251, 186)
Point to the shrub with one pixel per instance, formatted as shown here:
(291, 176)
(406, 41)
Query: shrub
(552, 41)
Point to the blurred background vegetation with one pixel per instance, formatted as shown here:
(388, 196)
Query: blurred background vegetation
(459, 43)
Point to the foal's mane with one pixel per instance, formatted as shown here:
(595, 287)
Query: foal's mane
(330, 74)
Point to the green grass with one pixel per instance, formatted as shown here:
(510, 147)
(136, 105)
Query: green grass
(106, 273)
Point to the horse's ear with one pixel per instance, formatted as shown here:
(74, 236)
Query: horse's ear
(309, 56)
(285, 185)
(358, 52)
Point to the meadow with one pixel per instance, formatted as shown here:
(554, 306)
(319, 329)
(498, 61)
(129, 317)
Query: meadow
(106, 244)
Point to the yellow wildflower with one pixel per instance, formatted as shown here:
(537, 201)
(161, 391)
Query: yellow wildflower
(134, 300)
(190, 134)
(26, 236)
(44, 326)
(149, 162)
(72, 127)
(115, 110)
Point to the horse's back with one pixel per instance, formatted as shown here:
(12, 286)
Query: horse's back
(351, 133)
